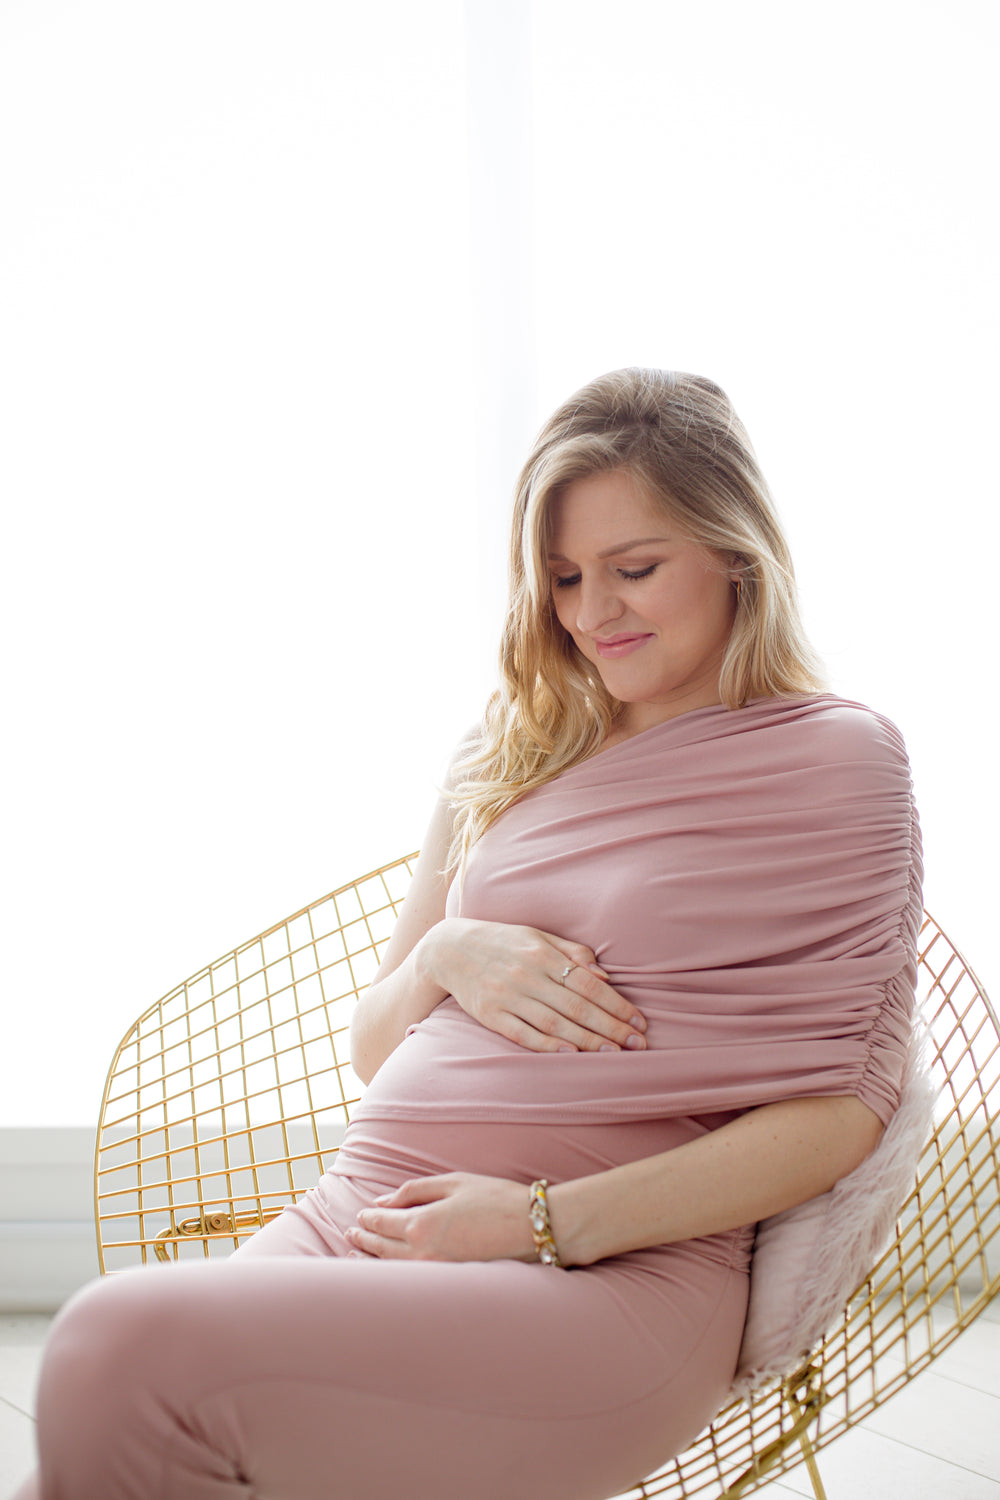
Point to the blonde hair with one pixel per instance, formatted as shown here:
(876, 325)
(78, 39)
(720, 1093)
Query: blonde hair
(681, 440)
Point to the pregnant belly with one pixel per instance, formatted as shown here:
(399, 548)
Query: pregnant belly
(455, 1096)
(379, 1155)
(412, 1148)
(421, 1116)
(450, 1068)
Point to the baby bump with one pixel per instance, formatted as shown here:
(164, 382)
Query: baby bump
(374, 1147)
(378, 1155)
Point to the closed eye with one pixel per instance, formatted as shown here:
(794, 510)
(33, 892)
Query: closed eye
(632, 575)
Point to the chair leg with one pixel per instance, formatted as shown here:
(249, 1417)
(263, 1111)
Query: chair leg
(810, 1458)
(810, 1379)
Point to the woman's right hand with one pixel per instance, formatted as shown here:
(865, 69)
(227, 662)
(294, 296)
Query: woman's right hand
(541, 991)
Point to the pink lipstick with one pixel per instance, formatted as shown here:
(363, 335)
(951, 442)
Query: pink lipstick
(620, 645)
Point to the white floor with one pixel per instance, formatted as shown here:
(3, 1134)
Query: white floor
(21, 1339)
(939, 1439)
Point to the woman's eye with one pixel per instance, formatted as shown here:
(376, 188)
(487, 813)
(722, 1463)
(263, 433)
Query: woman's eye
(631, 575)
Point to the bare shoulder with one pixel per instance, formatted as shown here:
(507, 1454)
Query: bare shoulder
(467, 745)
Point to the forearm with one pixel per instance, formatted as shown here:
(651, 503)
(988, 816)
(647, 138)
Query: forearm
(767, 1160)
(388, 1007)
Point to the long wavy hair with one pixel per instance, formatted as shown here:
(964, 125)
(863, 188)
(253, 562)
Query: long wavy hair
(682, 442)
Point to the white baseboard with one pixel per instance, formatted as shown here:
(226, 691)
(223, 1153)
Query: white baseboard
(42, 1264)
(48, 1244)
(48, 1247)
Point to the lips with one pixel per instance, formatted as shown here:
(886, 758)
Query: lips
(620, 645)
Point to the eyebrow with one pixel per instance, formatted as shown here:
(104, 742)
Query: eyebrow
(642, 541)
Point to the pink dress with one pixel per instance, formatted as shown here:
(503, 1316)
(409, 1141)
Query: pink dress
(751, 881)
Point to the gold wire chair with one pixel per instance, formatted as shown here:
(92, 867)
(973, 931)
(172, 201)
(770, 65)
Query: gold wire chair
(228, 1098)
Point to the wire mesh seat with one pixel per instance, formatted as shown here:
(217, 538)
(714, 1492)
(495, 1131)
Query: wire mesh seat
(228, 1098)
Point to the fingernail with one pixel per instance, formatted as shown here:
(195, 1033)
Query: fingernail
(638, 1022)
(565, 1047)
(635, 1043)
(596, 969)
(608, 1047)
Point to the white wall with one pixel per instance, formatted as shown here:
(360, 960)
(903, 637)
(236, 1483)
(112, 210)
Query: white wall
(258, 387)
(798, 201)
(238, 444)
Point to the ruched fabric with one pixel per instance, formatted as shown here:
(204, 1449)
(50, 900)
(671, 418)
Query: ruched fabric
(749, 879)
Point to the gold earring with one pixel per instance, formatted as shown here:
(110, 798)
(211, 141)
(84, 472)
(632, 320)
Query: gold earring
(739, 589)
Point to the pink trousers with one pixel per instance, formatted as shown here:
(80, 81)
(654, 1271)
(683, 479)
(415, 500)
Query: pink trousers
(297, 1372)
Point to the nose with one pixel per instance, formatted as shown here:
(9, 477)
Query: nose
(598, 604)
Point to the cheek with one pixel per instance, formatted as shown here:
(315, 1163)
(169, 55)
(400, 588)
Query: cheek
(562, 609)
(707, 604)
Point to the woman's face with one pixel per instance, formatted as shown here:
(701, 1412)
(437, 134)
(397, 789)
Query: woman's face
(651, 610)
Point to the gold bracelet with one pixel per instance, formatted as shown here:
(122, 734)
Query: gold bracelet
(541, 1227)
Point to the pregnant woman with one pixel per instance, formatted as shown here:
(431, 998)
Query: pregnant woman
(652, 982)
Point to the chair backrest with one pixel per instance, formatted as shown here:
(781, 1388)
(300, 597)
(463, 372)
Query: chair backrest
(228, 1098)
(936, 1277)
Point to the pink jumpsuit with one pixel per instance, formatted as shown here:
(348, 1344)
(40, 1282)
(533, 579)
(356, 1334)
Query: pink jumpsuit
(300, 1371)
(750, 881)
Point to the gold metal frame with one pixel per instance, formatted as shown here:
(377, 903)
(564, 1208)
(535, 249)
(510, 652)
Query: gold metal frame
(228, 1098)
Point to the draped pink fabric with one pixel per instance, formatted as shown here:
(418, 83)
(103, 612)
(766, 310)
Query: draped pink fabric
(750, 879)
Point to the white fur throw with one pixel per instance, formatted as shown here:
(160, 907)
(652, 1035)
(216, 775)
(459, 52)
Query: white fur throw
(808, 1260)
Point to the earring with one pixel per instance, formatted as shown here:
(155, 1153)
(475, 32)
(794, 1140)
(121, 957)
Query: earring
(739, 590)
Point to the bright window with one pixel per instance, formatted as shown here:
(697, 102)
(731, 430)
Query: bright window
(284, 292)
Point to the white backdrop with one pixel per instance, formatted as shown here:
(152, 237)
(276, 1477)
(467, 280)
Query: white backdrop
(284, 292)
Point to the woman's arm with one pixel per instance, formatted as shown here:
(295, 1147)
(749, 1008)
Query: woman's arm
(766, 1160)
(402, 992)
(512, 979)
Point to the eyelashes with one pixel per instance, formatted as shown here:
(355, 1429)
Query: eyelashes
(631, 575)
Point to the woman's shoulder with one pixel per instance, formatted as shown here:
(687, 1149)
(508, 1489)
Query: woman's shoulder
(857, 727)
(841, 731)
(466, 749)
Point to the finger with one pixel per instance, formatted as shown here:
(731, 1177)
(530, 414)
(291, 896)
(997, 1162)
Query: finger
(551, 1031)
(557, 1019)
(388, 1222)
(577, 953)
(562, 1031)
(365, 1242)
(561, 1010)
(586, 976)
(381, 1231)
(418, 1190)
(516, 1029)
(602, 1000)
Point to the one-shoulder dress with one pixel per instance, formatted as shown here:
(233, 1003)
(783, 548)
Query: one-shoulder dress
(751, 880)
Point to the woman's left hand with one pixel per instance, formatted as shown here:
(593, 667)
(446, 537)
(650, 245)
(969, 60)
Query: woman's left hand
(461, 1216)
